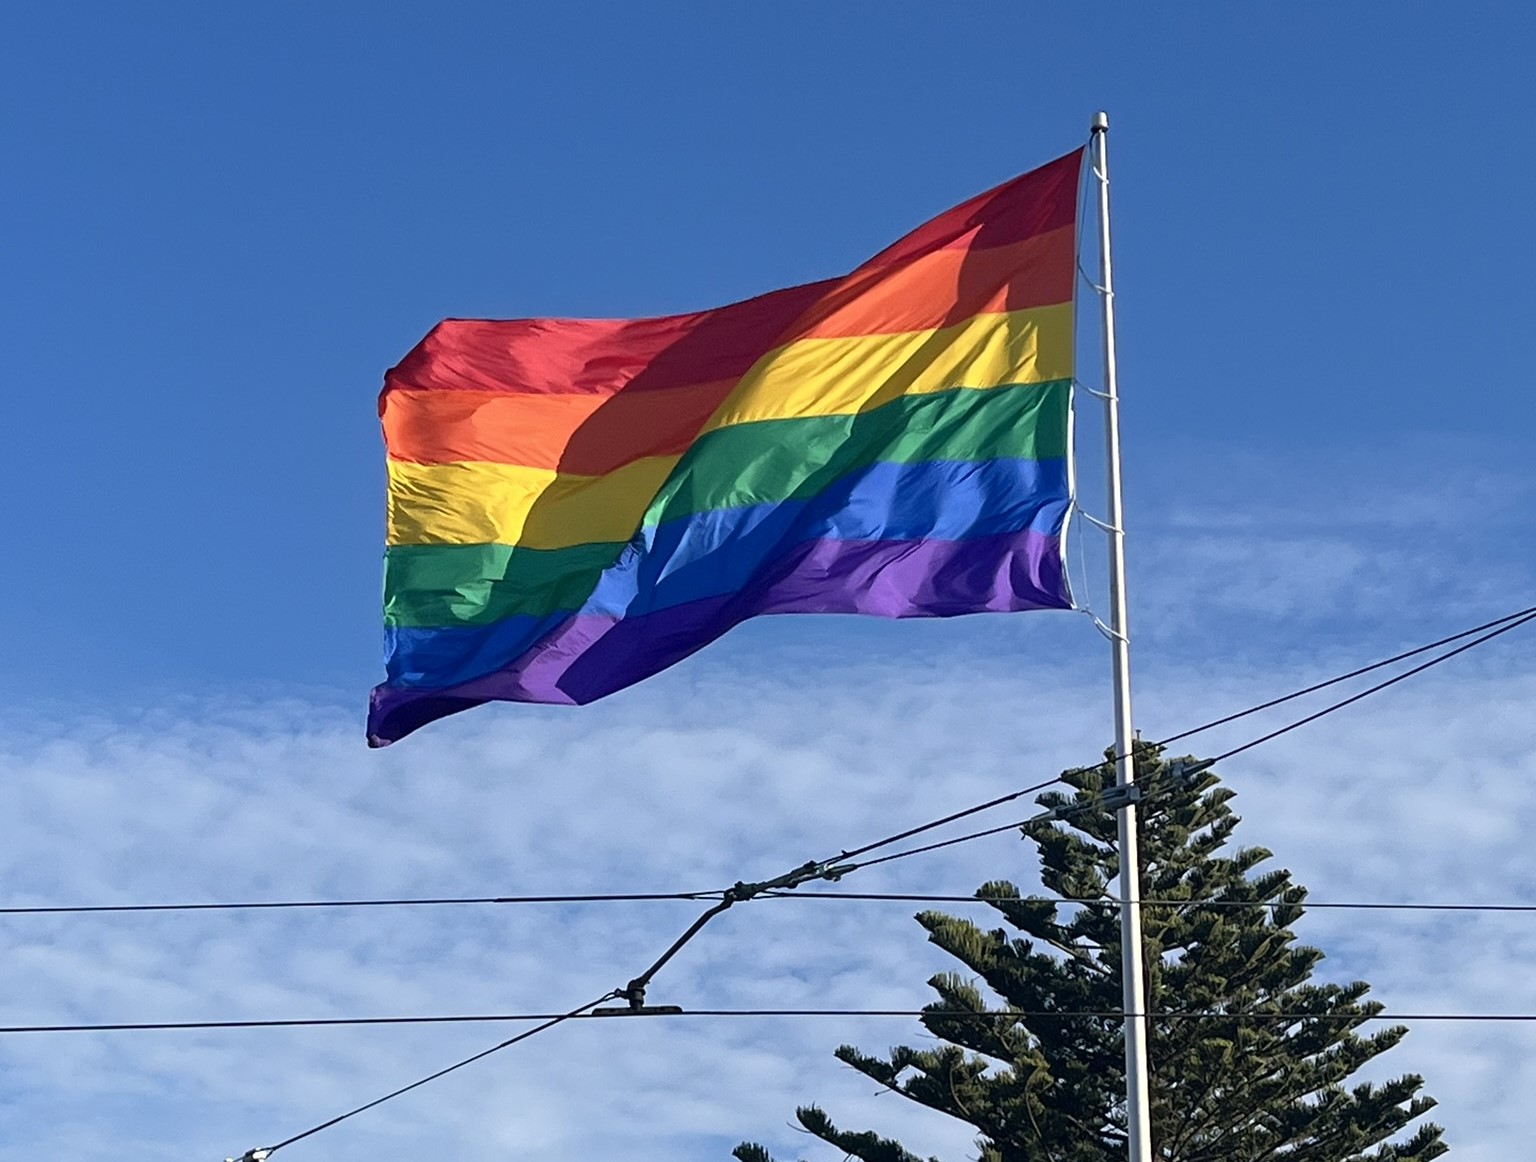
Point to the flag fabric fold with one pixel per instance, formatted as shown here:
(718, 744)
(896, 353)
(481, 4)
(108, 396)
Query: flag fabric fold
(576, 504)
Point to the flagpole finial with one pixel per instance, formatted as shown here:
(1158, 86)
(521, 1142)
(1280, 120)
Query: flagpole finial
(1100, 122)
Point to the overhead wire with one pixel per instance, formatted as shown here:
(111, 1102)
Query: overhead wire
(1338, 678)
(1106, 902)
(1504, 626)
(911, 831)
(550, 1020)
(943, 843)
(410, 901)
(911, 897)
(1376, 689)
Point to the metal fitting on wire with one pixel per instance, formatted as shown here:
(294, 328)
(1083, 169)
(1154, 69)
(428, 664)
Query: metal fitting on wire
(1110, 799)
(1182, 774)
(634, 994)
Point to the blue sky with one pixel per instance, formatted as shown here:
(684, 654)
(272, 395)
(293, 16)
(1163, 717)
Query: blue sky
(221, 224)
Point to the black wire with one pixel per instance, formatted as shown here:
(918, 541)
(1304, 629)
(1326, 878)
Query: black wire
(602, 898)
(549, 1020)
(1365, 905)
(911, 831)
(1376, 689)
(946, 842)
(635, 990)
(611, 897)
(1507, 622)
(621, 897)
(1313, 689)
(1504, 628)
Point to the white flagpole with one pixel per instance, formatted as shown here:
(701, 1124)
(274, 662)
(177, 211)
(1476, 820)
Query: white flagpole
(1138, 1121)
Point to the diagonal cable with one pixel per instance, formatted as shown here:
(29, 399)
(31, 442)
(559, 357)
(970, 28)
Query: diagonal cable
(264, 1152)
(1356, 673)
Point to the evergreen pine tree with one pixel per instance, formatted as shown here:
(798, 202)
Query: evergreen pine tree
(1253, 1088)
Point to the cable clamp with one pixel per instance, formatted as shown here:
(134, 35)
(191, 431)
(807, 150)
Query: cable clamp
(253, 1155)
(1119, 798)
(634, 994)
(1110, 799)
(1183, 775)
(826, 869)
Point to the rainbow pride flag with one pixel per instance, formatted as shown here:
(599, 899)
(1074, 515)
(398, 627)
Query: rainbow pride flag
(576, 504)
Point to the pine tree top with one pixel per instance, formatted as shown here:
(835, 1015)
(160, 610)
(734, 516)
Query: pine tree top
(1250, 1056)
